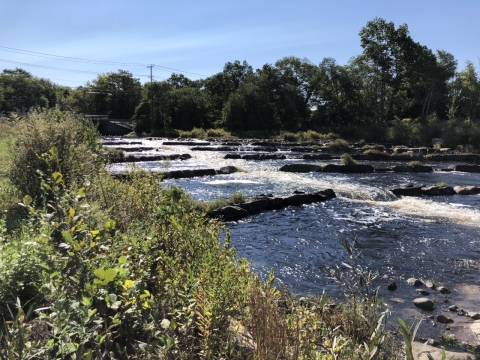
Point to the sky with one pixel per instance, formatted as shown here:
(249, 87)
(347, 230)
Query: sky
(197, 37)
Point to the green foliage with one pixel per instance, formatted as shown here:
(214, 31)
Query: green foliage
(235, 199)
(408, 335)
(441, 184)
(415, 163)
(347, 160)
(338, 145)
(377, 153)
(51, 141)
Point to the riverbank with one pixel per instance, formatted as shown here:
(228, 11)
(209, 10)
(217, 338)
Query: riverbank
(131, 268)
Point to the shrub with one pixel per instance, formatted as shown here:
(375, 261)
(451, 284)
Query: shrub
(441, 184)
(219, 133)
(415, 163)
(347, 160)
(338, 144)
(374, 147)
(292, 137)
(236, 198)
(377, 153)
(52, 141)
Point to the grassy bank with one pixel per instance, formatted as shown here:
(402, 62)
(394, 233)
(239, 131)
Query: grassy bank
(97, 268)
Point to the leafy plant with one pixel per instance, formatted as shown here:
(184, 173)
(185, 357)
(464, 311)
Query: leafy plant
(347, 160)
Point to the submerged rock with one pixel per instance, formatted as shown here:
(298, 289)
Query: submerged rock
(227, 170)
(229, 213)
(415, 282)
(420, 168)
(392, 286)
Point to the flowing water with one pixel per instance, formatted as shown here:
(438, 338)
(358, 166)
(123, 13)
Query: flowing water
(432, 238)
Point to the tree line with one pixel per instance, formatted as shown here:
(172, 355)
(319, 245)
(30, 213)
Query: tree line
(395, 80)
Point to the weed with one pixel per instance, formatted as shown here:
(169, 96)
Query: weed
(415, 163)
(338, 145)
(441, 184)
(347, 160)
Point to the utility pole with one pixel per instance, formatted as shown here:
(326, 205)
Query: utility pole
(152, 115)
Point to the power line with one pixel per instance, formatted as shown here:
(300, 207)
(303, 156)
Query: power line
(56, 68)
(98, 62)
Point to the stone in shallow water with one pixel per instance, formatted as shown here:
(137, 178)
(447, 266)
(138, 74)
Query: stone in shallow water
(415, 282)
(392, 286)
(423, 292)
(442, 319)
(424, 303)
(444, 290)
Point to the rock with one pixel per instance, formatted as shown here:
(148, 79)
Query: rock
(415, 282)
(432, 342)
(467, 190)
(317, 156)
(437, 190)
(444, 290)
(213, 148)
(424, 303)
(430, 285)
(299, 168)
(475, 316)
(442, 319)
(348, 169)
(461, 312)
(332, 168)
(453, 308)
(421, 168)
(244, 341)
(227, 170)
(265, 148)
(468, 168)
(232, 156)
(423, 292)
(254, 206)
(408, 191)
(229, 213)
(187, 143)
(392, 286)
(264, 157)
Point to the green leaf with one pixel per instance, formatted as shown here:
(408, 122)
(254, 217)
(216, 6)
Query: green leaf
(67, 236)
(81, 192)
(57, 177)
(105, 275)
(27, 199)
(122, 260)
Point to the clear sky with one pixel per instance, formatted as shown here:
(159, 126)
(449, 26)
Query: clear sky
(200, 36)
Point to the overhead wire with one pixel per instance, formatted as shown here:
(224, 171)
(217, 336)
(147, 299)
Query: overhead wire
(88, 61)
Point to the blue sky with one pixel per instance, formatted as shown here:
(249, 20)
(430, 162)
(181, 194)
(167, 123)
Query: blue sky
(200, 36)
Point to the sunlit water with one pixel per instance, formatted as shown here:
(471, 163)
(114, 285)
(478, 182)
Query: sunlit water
(434, 238)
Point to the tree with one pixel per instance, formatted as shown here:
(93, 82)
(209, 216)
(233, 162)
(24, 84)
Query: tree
(147, 119)
(465, 94)
(115, 94)
(21, 91)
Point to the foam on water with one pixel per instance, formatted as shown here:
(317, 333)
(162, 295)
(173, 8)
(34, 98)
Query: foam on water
(433, 210)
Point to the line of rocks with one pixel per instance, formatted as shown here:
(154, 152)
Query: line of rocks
(269, 202)
(435, 190)
(182, 174)
(336, 168)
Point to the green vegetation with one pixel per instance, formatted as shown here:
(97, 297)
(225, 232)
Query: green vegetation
(415, 163)
(441, 184)
(347, 160)
(94, 267)
(236, 198)
(376, 153)
(338, 145)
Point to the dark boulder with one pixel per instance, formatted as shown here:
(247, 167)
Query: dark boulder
(437, 190)
(187, 143)
(227, 170)
(424, 303)
(300, 168)
(408, 191)
(256, 205)
(229, 213)
(348, 169)
(420, 168)
(232, 156)
(468, 168)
